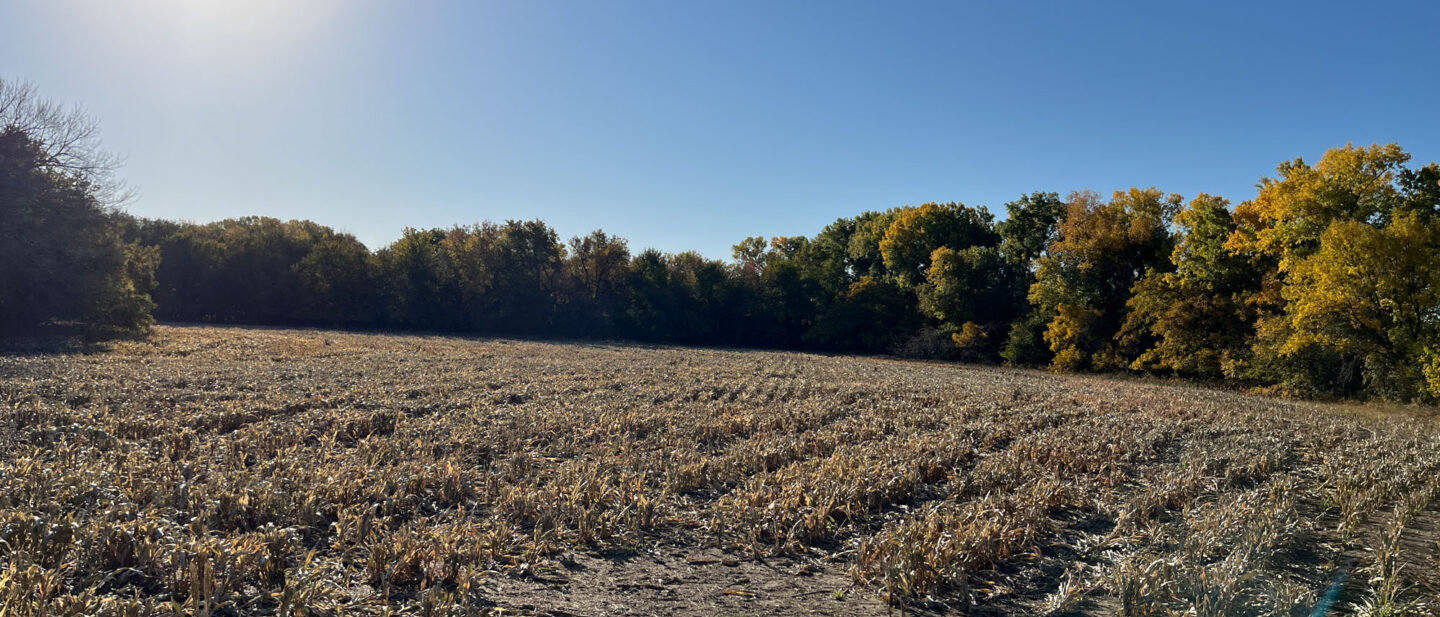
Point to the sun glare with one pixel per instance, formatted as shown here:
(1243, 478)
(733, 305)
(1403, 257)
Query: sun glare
(251, 26)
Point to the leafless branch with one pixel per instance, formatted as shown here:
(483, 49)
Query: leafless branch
(69, 137)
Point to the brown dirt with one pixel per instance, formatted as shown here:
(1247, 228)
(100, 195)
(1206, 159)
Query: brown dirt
(684, 582)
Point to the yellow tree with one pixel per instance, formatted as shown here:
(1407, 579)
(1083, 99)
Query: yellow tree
(915, 233)
(1372, 295)
(1084, 281)
(1348, 236)
(1290, 213)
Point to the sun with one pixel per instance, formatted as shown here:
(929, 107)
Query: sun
(253, 22)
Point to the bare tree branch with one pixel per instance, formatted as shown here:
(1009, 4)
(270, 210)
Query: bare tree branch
(69, 136)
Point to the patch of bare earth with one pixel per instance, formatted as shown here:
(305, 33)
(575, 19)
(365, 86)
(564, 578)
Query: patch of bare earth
(686, 583)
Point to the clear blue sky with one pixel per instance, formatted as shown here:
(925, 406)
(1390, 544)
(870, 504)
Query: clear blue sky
(686, 125)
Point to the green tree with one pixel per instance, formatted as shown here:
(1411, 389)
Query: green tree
(1031, 225)
(61, 248)
(1025, 343)
(864, 243)
(1196, 320)
(751, 255)
(414, 274)
(599, 261)
(261, 270)
(975, 291)
(596, 269)
(336, 278)
(871, 315)
(826, 257)
(528, 277)
(653, 302)
(711, 299)
(187, 278)
(468, 262)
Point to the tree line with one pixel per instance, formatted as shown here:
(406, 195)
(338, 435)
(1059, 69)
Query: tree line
(1326, 283)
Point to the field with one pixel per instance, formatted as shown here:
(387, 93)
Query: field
(228, 471)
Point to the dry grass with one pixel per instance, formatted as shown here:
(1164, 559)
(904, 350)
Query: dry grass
(267, 472)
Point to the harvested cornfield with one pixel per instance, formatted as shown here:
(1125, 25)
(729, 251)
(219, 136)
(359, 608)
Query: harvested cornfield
(229, 471)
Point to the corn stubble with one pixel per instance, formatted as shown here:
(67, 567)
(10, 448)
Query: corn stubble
(267, 472)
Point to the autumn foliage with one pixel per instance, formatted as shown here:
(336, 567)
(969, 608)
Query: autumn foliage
(1323, 284)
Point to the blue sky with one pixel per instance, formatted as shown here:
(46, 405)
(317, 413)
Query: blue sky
(690, 125)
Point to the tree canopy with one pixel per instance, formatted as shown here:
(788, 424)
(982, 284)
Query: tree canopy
(62, 258)
(1323, 284)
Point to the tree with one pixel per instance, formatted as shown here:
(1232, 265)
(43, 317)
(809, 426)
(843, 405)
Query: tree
(531, 260)
(599, 261)
(1288, 216)
(871, 315)
(1196, 320)
(66, 139)
(1032, 224)
(751, 256)
(187, 277)
(783, 298)
(1084, 282)
(1025, 343)
(260, 284)
(826, 257)
(261, 270)
(593, 287)
(1343, 311)
(652, 302)
(915, 233)
(787, 303)
(712, 302)
(468, 261)
(1372, 295)
(1031, 227)
(975, 291)
(413, 271)
(336, 278)
(62, 256)
(864, 243)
